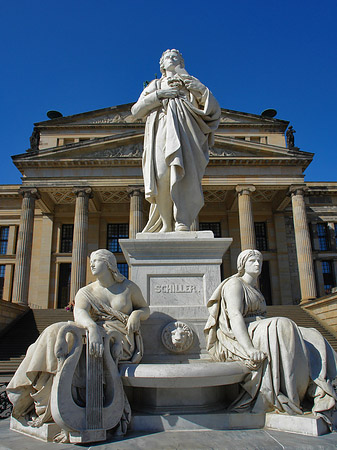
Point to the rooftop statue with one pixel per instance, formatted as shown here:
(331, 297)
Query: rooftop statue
(52, 385)
(287, 362)
(290, 137)
(182, 115)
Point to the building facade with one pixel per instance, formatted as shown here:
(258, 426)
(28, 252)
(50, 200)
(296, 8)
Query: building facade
(82, 189)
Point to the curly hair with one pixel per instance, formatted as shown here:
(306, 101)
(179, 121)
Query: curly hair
(161, 61)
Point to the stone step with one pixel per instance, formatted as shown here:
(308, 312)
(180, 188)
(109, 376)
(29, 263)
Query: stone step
(14, 344)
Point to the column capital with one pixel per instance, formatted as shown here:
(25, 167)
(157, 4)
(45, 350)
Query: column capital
(83, 191)
(29, 192)
(245, 189)
(298, 189)
(135, 191)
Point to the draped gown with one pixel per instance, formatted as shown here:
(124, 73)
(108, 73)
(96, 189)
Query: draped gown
(299, 363)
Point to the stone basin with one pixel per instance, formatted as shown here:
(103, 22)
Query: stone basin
(198, 374)
(201, 386)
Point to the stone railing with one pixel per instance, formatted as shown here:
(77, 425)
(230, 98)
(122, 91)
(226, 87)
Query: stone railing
(324, 310)
(10, 312)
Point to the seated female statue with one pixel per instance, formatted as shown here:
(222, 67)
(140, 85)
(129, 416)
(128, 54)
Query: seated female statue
(111, 306)
(288, 363)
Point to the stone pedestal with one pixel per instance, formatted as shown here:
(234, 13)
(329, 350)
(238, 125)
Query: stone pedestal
(177, 273)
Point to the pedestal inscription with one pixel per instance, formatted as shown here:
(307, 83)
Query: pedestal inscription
(176, 291)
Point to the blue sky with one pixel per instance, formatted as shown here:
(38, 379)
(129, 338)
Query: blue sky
(76, 56)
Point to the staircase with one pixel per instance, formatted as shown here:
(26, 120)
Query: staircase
(25, 331)
(302, 319)
(14, 343)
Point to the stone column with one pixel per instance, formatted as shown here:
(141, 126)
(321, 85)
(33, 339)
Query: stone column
(247, 230)
(136, 223)
(24, 246)
(303, 244)
(79, 253)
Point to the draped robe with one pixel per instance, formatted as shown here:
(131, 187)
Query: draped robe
(299, 360)
(31, 384)
(182, 129)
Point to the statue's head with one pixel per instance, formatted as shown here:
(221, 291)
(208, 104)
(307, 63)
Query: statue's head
(244, 257)
(110, 260)
(178, 56)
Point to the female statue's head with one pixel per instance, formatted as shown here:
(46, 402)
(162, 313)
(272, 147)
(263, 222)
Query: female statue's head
(110, 260)
(178, 57)
(244, 257)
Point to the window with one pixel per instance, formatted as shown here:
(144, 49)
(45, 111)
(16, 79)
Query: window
(261, 236)
(64, 285)
(255, 139)
(67, 233)
(265, 285)
(116, 231)
(124, 269)
(2, 279)
(213, 226)
(4, 231)
(328, 276)
(322, 234)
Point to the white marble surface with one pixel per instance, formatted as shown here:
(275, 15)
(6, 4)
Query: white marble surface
(307, 424)
(182, 115)
(199, 374)
(176, 276)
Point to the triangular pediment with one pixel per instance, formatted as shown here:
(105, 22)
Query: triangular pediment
(129, 144)
(121, 114)
(123, 139)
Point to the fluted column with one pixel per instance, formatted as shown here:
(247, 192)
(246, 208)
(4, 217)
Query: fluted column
(246, 219)
(80, 238)
(136, 222)
(303, 244)
(24, 246)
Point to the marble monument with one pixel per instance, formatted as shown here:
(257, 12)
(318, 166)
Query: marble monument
(182, 115)
(289, 365)
(68, 388)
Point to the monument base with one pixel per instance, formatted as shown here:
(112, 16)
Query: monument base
(46, 432)
(191, 422)
(306, 424)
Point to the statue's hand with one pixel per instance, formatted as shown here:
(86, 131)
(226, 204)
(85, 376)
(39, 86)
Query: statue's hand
(133, 323)
(95, 342)
(193, 84)
(167, 93)
(256, 355)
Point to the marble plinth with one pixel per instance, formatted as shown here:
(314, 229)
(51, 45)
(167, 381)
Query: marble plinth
(307, 424)
(45, 433)
(193, 422)
(177, 273)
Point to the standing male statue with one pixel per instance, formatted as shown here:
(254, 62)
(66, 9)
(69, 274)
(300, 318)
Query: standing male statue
(290, 137)
(182, 115)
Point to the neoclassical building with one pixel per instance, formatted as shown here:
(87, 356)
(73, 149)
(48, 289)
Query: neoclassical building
(82, 190)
